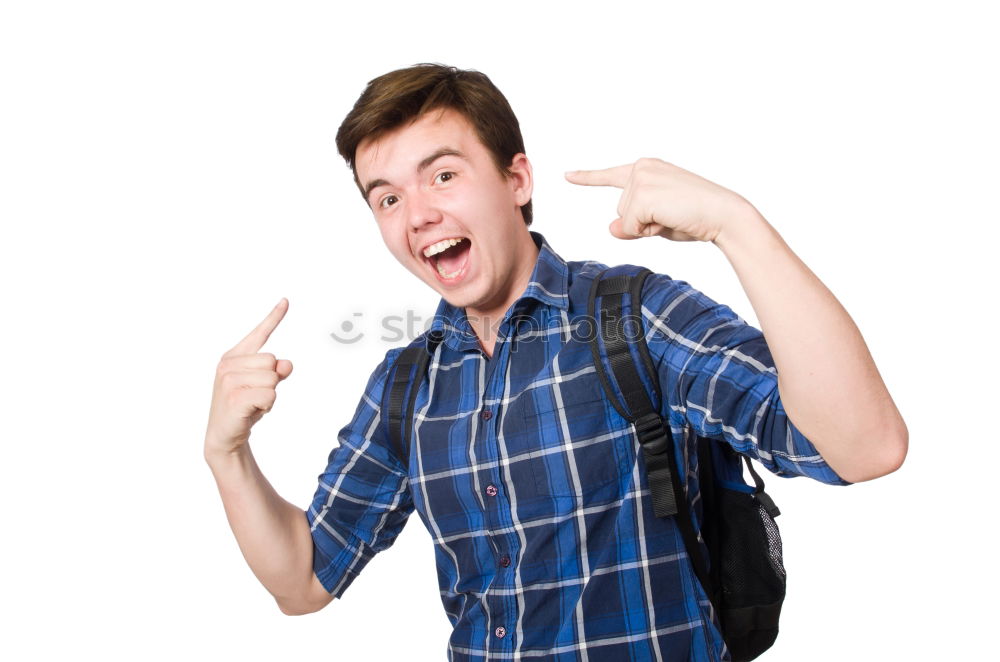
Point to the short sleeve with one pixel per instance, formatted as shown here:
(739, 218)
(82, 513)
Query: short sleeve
(717, 375)
(363, 498)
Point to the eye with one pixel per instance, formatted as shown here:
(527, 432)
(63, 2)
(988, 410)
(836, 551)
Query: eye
(445, 177)
(388, 201)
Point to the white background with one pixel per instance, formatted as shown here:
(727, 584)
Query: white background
(168, 172)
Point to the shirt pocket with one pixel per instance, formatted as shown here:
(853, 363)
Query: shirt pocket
(582, 448)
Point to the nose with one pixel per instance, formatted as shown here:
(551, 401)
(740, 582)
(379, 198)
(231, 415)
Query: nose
(422, 210)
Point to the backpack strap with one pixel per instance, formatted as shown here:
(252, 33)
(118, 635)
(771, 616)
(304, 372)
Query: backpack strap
(762, 497)
(410, 368)
(619, 332)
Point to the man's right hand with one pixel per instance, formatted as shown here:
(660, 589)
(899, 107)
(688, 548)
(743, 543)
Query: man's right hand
(244, 387)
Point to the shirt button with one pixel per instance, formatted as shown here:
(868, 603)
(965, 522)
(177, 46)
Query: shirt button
(504, 561)
(486, 414)
(491, 490)
(500, 632)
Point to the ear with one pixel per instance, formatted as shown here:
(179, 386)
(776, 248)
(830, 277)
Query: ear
(521, 179)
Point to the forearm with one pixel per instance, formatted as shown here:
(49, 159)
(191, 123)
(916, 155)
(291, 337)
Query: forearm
(827, 380)
(272, 533)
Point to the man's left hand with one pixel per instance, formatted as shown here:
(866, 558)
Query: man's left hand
(659, 198)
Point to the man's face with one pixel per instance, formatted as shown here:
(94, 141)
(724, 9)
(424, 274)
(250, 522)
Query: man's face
(447, 213)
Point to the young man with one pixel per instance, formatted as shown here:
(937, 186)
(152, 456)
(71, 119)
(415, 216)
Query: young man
(528, 480)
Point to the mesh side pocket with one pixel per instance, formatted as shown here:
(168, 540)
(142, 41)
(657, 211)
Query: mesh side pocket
(751, 571)
(773, 543)
(751, 574)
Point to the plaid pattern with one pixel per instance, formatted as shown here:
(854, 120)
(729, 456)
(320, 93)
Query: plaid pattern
(528, 481)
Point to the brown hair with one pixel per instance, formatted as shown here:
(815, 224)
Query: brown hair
(403, 95)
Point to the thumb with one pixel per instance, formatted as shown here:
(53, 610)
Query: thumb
(617, 229)
(284, 368)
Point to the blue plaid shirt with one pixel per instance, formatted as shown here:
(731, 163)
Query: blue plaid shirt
(527, 477)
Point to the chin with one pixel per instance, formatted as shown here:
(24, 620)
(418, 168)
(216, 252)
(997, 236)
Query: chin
(455, 299)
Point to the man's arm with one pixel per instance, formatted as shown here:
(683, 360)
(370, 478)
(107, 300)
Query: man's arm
(273, 534)
(828, 382)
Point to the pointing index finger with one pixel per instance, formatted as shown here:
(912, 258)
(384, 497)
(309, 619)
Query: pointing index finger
(256, 338)
(617, 176)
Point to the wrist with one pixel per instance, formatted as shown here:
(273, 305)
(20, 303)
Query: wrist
(745, 226)
(222, 456)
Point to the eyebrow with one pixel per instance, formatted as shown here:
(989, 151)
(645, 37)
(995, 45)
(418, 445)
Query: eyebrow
(423, 165)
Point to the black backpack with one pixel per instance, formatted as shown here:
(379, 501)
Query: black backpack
(743, 576)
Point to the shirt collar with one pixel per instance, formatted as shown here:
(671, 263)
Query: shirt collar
(549, 281)
(549, 284)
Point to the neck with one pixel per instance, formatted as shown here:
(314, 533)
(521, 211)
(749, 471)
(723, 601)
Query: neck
(486, 321)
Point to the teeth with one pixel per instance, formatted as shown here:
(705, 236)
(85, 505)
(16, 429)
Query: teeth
(444, 274)
(444, 244)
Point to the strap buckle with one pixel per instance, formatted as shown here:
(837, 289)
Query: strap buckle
(652, 434)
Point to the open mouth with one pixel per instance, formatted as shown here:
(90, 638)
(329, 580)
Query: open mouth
(449, 257)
